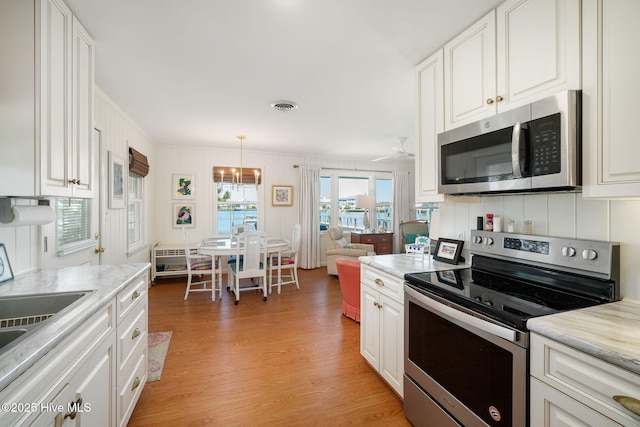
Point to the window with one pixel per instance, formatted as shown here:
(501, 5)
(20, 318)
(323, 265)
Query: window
(235, 205)
(134, 211)
(384, 205)
(338, 193)
(74, 225)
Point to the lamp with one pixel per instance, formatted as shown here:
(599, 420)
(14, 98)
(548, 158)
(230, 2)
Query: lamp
(364, 202)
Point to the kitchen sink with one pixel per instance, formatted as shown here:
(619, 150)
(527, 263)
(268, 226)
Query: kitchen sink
(21, 314)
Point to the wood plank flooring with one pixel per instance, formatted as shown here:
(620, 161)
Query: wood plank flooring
(293, 360)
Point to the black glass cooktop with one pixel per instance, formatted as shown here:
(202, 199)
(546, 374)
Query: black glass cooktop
(511, 292)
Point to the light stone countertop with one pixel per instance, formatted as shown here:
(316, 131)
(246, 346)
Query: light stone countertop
(400, 264)
(610, 332)
(104, 280)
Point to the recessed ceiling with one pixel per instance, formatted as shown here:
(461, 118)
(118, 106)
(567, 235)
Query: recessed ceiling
(200, 72)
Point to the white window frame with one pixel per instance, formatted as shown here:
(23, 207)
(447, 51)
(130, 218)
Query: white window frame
(140, 244)
(83, 242)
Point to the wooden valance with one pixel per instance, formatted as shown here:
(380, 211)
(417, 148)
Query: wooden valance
(138, 163)
(227, 174)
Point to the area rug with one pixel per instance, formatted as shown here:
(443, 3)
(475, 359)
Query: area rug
(158, 347)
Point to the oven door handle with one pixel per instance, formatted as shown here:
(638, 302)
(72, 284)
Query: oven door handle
(450, 312)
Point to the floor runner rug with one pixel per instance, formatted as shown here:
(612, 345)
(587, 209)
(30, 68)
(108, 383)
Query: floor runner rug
(158, 347)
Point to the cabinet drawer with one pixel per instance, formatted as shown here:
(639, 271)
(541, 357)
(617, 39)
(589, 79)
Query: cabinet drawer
(587, 379)
(130, 388)
(385, 283)
(129, 296)
(385, 238)
(132, 336)
(384, 248)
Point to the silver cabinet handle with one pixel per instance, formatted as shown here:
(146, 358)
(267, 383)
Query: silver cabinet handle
(630, 403)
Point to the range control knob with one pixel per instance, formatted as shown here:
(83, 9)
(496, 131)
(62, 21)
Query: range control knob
(568, 251)
(477, 239)
(589, 254)
(488, 240)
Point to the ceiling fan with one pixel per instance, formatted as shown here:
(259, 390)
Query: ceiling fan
(399, 152)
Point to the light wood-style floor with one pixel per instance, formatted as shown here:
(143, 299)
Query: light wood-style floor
(293, 360)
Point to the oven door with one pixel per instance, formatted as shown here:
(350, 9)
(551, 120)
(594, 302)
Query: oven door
(476, 371)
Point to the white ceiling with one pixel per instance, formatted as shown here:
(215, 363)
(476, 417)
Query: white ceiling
(201, 72)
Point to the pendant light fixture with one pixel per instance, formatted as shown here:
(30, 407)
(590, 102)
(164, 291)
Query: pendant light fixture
(239, 180)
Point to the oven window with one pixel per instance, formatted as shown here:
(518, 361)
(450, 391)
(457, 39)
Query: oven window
(475, 371)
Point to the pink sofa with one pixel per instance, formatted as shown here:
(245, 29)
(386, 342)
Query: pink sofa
(349, 276)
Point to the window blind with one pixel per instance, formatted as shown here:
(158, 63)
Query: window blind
(138, 163)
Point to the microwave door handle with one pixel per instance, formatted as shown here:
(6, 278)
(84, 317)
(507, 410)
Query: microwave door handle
(515, 150)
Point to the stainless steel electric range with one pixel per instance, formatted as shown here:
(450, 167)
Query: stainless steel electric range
(466, 339)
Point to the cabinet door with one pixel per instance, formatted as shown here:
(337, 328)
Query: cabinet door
(430, 124)
(610, 95)
(470, 74)
(392, 343)
(370, 326)
(538, 49)
(92, 402)
(55, 97)
(550, 408)
(82, 164)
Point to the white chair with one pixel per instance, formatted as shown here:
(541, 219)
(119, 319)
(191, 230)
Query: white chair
(252, 263)
(201, 265)
(287, 259)
(236, 230)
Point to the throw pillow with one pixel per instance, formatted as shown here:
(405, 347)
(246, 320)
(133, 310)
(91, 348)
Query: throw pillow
(410, 238)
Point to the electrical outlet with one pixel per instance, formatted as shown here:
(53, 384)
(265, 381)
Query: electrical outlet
(461, 235)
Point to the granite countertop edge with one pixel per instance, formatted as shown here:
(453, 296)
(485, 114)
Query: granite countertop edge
(609, 332)
(400, 264)
(105, 281)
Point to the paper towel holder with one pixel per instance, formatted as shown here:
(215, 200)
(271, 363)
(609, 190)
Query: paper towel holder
(7, 204)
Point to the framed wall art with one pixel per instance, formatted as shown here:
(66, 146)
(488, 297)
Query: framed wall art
(281, 195)
(183, 215)
(5, 267)
(116, 182)
(448, 250)
(183, 187)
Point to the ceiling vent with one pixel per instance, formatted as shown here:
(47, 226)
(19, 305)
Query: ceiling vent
(284, 105)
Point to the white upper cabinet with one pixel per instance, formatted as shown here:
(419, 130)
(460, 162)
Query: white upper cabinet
(611, 90)
(47, 79)
(538, 50)
(523, 51)
(430, 123)
(470, 74)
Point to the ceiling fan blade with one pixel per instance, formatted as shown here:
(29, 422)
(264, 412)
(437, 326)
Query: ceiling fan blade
(382, 158)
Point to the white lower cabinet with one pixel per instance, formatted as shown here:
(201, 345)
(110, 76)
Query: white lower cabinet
(92, 378)
(571, 388)
(382, 324)
(67, 379)
(132, 309)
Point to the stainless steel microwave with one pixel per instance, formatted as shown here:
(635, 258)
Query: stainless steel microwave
(536, 147)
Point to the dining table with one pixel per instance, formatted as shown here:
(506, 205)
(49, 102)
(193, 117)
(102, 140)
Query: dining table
(217, 247)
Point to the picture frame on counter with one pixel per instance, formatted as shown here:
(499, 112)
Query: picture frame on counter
(6, 273)
(448, 250)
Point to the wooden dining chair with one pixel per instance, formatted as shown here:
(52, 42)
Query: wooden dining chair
(201, 265)
(252, 263)
(287, 260)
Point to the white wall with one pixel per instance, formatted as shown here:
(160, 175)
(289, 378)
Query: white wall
(277, 168)
(562, 215)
